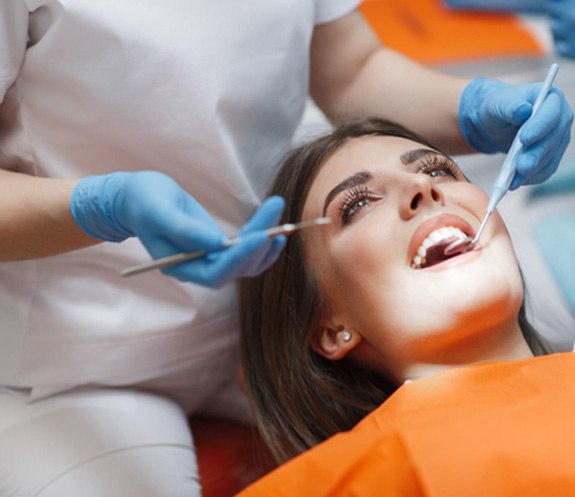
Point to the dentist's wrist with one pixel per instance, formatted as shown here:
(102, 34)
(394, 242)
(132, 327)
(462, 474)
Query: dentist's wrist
(93, 206)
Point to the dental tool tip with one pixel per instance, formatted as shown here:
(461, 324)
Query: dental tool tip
(289, 228)
(466, 244)
(459, 246)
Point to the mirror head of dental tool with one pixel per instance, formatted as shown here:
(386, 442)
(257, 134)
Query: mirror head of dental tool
(462, 245)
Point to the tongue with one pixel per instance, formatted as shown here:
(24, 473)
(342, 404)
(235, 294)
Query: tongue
(436, 253)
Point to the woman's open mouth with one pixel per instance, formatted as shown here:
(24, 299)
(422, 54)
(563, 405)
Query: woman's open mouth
(431, 251)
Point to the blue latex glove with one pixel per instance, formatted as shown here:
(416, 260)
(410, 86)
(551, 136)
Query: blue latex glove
(167, 220)
(498, 5)
(491, 112)
(562, 15)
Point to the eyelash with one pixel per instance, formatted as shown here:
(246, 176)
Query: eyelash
(439, 164)
(352, 202)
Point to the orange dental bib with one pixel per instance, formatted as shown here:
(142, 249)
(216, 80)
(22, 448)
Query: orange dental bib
(494, 429)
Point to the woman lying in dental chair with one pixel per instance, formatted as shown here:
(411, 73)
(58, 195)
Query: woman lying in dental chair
(378, 366)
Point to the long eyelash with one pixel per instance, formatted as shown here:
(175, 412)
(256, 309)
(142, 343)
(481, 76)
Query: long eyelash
(351, 196)
(350, 200)
(437, 163)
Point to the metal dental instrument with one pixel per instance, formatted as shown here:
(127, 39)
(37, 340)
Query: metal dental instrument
(171, 260)
(506, 174)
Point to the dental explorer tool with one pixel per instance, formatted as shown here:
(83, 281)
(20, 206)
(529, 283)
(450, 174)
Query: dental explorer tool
(506, 174)
(171, 260)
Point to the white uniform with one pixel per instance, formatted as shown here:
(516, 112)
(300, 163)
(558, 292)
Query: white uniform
(209, 92)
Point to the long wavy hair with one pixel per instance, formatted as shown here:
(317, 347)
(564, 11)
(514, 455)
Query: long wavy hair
(298, 397)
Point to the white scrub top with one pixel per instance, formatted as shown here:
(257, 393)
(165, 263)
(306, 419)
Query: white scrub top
(208, 92)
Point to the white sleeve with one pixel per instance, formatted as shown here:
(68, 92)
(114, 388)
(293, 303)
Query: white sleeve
(13, 40)
(331, 10)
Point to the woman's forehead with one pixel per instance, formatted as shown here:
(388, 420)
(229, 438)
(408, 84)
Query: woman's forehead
(370, 154)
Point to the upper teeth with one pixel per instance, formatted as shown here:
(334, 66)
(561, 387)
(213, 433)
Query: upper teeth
(435, 237)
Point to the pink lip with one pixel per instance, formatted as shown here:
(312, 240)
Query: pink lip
(425, 228)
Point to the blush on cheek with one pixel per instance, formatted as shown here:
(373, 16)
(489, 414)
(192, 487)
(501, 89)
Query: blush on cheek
(374, 246)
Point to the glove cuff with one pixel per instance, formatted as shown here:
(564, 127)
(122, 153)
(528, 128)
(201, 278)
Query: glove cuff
(93, 207)
(469, 120)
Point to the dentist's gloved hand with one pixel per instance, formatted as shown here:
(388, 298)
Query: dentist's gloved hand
(491, 112)
(562, 16)
(498, 5)
(167, 220)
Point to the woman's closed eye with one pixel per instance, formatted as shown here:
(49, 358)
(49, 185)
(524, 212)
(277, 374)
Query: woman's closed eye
(354, 200)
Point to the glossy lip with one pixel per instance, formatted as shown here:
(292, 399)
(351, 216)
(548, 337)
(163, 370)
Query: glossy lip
(425, 228)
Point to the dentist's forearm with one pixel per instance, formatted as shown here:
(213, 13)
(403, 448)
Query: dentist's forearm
(367, 79)
(35, 218)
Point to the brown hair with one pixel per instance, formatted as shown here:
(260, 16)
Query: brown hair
(300, 398)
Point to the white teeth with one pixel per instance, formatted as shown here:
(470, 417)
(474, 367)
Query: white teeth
(434, 238)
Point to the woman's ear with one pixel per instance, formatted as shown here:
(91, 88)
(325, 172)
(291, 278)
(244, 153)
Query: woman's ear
(334, 342)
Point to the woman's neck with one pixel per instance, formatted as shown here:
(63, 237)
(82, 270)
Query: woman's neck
(505, 343)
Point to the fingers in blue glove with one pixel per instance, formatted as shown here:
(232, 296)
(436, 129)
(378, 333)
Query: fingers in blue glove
(267, 215)
(512, 111)
(254, 253)
(545, 121)
(165, 217)
(544, 138)
(562, 14)
(491, 113)
(250, 257)
(272, 254)
(546, 170)
(154, 201)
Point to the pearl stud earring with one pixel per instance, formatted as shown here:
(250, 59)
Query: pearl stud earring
(346, 336)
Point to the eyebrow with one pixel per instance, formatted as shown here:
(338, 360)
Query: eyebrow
(412, 156)
(360, 178)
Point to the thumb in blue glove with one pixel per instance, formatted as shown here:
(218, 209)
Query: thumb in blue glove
(562, 16)
(491, 113)
(167, 220)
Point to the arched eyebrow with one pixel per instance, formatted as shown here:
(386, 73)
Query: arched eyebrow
(360, 178)
(412, 156)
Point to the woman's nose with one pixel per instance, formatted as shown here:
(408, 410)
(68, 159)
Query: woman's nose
(419, 192)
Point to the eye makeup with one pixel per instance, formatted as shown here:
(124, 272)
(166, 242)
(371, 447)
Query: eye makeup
(359, 178)
(354, 200)
(438, 166)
